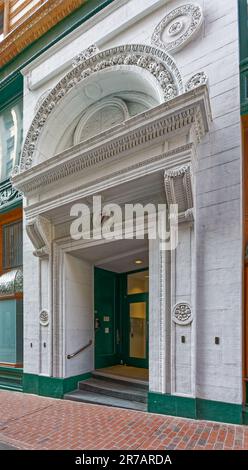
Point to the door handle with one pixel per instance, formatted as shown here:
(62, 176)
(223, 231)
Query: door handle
(97, 324)
(117, 336)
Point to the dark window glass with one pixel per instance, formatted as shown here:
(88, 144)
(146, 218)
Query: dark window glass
(1, 22)
(12, 245)
(11, 133)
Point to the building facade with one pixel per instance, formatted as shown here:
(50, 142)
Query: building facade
(27, 27)
(140, 103)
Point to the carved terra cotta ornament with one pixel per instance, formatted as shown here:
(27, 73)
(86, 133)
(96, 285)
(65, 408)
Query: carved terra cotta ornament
(157, 62)
(197, 80)
(44, 318)
(182, 313)
(84, 55)
(178, 27)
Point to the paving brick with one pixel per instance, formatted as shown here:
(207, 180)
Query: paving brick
(32, 422)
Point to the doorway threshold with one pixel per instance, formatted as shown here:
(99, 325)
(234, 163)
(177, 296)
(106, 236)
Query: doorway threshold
(137, 375)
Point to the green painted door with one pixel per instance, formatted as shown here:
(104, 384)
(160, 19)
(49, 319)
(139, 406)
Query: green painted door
(106, 318)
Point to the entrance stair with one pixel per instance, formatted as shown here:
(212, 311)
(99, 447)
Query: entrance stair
(112, 390)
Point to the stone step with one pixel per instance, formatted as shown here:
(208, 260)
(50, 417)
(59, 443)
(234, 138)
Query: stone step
(119, 379)
(100, 399)
(115, 389)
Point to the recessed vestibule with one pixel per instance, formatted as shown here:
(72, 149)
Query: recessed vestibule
(107, 321)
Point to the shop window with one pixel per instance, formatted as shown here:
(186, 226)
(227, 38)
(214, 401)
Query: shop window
(12, 245)
(11, 134)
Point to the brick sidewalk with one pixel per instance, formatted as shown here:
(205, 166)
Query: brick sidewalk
(32, 422)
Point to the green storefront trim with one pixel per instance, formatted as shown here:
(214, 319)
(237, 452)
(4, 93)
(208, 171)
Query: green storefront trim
(245, 415)
(11, 90)
(51, 386)
(11, 378)
(244, 86)
(195, 408)
(172, 405)
(243, 49)
(243, 28)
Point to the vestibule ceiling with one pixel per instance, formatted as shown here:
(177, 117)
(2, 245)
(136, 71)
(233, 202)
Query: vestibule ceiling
(117, 256)
(143, 190)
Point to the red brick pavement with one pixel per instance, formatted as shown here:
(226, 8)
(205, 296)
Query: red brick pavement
(32, 422)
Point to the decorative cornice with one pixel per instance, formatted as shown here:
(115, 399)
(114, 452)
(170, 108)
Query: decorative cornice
(179, 155)
(157, 62)
(38, 23)
(178, 189)
(178, 27)
(184, 112)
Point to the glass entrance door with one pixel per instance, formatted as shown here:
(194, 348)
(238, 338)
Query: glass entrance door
(136, 314)
(138, 330)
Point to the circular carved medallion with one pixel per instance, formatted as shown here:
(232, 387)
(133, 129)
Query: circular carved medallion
(44, 318)
(178, 27)
(182, 313)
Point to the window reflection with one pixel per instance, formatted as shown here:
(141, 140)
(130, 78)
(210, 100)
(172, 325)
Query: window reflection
(138, 282)
(1, 24)
(137, 343)
(11, 133)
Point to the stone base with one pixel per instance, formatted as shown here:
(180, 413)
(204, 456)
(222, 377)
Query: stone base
(195, 408)
(51, 386)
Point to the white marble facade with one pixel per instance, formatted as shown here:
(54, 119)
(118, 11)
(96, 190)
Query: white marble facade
(175, 137)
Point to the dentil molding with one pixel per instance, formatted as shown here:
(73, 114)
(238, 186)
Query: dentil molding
(188, 111)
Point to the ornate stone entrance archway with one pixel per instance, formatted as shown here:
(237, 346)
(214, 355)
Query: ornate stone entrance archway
(148, 155)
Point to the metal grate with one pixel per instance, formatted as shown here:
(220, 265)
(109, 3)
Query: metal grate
(12, 245)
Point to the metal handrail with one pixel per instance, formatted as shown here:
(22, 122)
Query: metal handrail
(70, 356)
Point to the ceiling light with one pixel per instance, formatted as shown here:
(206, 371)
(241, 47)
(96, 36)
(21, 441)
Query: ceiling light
(138, 261)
